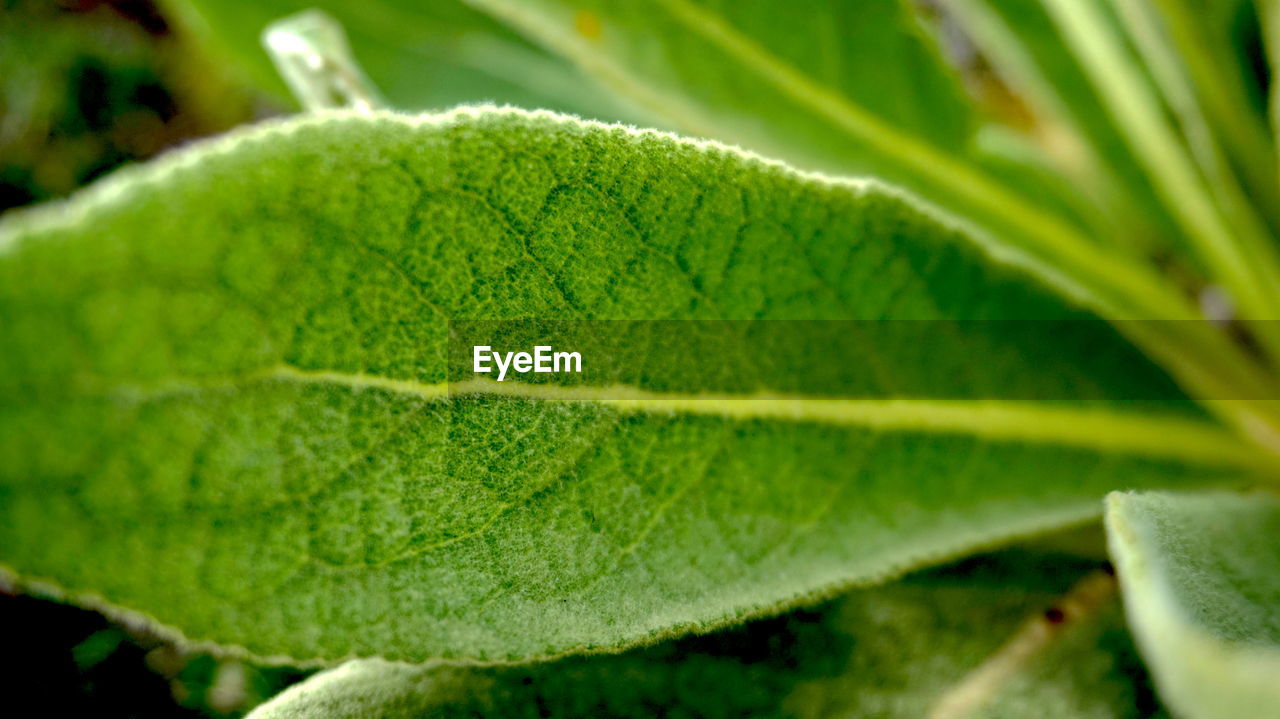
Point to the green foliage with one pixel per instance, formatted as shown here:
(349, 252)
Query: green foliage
(234, 406)
(992, 635)
(794, 86)
(421, 55)
(1074, 125)
(750, 74)
(253, 389)
(1200, 583)
(724, 66)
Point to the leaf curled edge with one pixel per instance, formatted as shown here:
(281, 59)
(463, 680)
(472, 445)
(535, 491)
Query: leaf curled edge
(1200, 575)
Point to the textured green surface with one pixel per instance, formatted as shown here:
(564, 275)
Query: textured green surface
(421, 55)
(888, 653)
(219, 386)
(1201, 579)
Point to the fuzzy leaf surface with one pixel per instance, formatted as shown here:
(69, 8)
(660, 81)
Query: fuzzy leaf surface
(903, 651)
(223, 407)
(1199, 573)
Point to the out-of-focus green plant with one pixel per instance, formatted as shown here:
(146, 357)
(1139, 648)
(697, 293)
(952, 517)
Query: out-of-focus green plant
(85, 90)
(228, 407)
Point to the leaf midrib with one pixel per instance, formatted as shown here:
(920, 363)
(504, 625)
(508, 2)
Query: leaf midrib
(1103, 430)
(1126, 433)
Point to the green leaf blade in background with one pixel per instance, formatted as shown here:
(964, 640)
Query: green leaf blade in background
(223, 386)
(715, 85)
(718, 97)
(422, 56)
(1028, 53)
(968, 641)
(1199, 578)
(795, 86)
(788, 85)
(1219, 42)
(1077, 64)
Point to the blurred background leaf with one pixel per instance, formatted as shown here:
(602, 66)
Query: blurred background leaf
(421, 55)
(87, 86)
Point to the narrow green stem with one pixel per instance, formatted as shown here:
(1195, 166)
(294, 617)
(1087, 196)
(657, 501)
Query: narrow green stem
(1249, 227)
(1081, 160)
(1270, 12)
(1221, 83)
(1137, 111)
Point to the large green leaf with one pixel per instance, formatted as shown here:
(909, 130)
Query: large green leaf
(222, 395)
(1201, 580)
(991, 638)
(421, 55)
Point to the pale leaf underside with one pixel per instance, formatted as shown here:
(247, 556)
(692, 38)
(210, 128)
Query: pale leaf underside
(1200, 577)
(998, 637)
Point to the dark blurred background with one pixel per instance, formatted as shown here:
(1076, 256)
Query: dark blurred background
(87, 85)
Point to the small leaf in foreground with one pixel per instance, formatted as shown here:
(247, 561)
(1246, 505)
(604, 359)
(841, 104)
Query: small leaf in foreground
(1201, 580)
